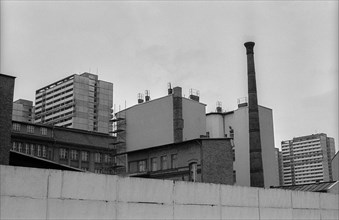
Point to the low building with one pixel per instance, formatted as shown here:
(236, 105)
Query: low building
(199, 160)
(89, 151)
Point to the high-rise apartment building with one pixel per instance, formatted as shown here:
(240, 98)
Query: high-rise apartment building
(307, 159)
(23, 110)
(78, 101)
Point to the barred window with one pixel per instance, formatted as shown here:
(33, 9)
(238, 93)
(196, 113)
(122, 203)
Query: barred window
(44, 153)
(30, 129)
(84, 155)
(16, 127)
(97, 157)
(74, 155)
(43, 131)
(38, 150)
(63, 153)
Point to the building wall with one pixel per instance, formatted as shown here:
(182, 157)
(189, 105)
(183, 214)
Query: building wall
(149, 124)
(238, 121)
(212, 156)
(53, 194)
(6, 103)
(194, 119)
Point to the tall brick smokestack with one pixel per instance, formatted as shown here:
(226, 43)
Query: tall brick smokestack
(256, 165)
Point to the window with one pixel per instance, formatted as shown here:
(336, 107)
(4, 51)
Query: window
(14, 146)
(84, 168)
(84, 155)
(174, 161)
(107, 158)
(16, 127)
(193, 171)
(163, 162)
(30, 129)
(142, 166)
(154, 164)
(43, 131)
(74, 155)
(233, 154)
(19, 147)
(63, 153)
(38, 150)
(32, 149)
(26, 149)
(97, 171)
(234, 176)
(97, 157)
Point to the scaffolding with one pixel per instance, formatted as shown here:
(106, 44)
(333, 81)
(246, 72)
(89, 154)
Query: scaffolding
(118, 147)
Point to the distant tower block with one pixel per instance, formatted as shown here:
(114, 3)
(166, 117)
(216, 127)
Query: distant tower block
(219, 107)
(256, 164)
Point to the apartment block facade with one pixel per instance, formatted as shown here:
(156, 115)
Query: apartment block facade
(307, 159)
(78, 101)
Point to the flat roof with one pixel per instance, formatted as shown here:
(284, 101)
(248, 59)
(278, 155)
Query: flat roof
(4, 75)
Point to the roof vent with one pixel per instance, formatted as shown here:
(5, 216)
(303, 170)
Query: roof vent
(194, 94)
(140, 98)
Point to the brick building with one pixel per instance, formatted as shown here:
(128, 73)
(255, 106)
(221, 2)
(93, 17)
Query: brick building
(90, 151)
(199, 160)
(6, 103)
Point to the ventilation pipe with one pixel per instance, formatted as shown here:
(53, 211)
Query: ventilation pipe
(140, 98)
(147, 95)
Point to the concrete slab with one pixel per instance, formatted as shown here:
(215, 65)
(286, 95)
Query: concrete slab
(80, 209)
(196, 212)
(76, 185)
(275, 213)
(329, 201)
(22, 208)
(22, 181)
(145, 190)
(329, 214)
(231, 213)
(302, 199)
(234, 196)
(144, 211)
(275, 198)
(308, 214)
(196, 193)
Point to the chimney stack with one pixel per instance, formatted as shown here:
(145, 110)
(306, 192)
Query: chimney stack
(147, 95)
(219, 107)
(140, 98)
(256, 164)
(169, 87)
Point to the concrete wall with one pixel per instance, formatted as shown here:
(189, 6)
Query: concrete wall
(28, 193)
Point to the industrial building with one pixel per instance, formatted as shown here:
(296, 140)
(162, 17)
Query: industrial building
(88, 151)
(307, 159)
(23, 110)
(234, 124)
(199, 160)
(166, 120)
(77, 101)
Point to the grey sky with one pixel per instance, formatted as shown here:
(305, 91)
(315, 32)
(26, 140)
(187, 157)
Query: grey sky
(141, 45)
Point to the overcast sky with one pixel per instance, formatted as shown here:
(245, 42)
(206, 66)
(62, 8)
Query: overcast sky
(139, 45)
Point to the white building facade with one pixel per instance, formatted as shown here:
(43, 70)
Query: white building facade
(235, 124)
(307, 159)
(78, 101)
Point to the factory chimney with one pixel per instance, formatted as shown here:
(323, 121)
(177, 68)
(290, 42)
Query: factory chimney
(256, 164)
